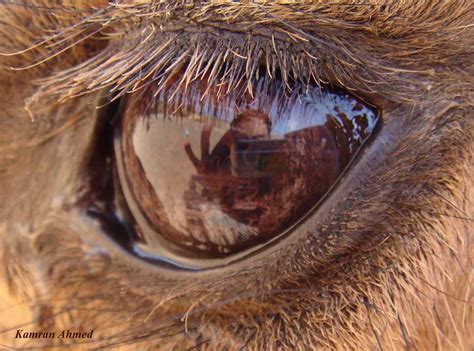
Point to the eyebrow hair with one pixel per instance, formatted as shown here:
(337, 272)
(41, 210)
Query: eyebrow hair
(358, 45)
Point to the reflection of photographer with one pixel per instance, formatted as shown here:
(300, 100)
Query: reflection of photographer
(246, 150)
(265, 183)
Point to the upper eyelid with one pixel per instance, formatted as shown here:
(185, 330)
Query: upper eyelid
(105, 71)
(155, 57)
(168, 51)
(120, 66)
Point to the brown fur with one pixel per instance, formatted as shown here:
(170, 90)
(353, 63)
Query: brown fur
(385, 263)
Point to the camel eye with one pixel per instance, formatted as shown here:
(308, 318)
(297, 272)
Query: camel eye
(207, 172)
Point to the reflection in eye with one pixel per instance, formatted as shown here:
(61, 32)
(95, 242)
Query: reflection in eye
(207, 174)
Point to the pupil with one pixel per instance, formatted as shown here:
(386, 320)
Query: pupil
(215, 175)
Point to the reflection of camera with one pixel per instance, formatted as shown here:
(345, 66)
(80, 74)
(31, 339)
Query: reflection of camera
(258, 158)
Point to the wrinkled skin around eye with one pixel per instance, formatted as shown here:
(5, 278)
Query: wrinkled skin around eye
(264, 162)
(386, 265)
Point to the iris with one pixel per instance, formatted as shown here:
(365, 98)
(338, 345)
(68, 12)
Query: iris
(208, 172)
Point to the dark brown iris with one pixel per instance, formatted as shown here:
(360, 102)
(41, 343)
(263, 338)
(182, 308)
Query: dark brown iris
(214, 174)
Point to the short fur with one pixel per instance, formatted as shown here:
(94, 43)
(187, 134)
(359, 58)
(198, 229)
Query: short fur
(387, 267)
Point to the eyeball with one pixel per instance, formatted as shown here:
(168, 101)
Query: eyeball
(207, 174)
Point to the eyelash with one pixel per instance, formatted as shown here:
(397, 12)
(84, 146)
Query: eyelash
(144, 57)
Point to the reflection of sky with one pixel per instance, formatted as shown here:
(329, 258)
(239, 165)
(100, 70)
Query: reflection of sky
(309, 109)
(302, 112)
(303, 108)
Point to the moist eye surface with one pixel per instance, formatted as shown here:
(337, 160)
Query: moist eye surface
(209, 172)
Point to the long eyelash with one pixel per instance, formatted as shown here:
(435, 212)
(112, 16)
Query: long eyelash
(141, 53)
(158, 58)
(148, 55)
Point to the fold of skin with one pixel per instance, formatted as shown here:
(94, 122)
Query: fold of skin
(385, 263)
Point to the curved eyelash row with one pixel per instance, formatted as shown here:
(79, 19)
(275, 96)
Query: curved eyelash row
(270, 96)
